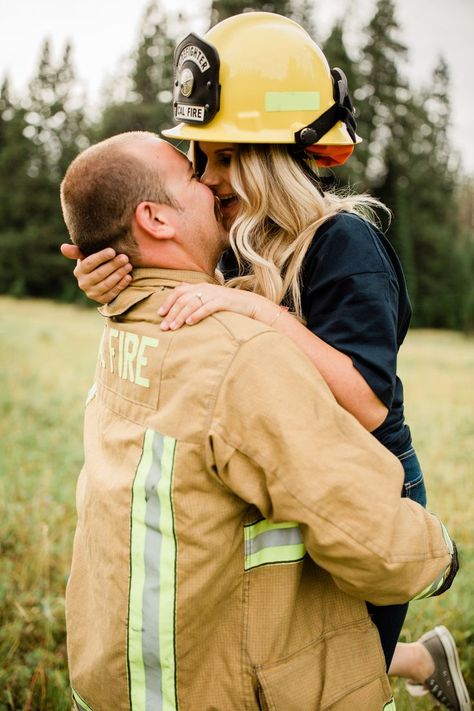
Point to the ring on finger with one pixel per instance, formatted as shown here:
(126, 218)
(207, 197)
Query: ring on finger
(199, 296)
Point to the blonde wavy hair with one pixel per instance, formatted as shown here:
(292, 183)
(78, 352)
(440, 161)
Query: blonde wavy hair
(281, 207)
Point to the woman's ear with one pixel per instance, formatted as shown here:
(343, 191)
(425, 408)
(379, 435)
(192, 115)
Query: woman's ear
(154, 219)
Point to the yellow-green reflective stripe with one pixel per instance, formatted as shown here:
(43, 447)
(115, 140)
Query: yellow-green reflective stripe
(152, 580)
(390, 706)
(447, 538)
(292, 100)
(266, 542)
(137, 577)
(432, 587)
(168, 579)
(436, 584)
(80, 703)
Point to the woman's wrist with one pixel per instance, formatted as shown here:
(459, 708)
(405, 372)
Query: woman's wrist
(267, 311)
(281, 310)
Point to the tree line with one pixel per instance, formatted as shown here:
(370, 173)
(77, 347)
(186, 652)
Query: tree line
(406, 158)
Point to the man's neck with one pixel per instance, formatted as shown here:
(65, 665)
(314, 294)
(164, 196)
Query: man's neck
(175, 260)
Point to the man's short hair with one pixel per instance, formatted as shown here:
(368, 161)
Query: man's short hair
(101, 190)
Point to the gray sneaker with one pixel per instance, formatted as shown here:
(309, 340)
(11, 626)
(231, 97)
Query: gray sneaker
(446, 684)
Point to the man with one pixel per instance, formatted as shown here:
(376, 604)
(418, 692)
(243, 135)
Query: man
(225, 541)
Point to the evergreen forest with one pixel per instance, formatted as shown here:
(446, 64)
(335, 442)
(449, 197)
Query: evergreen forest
(406, 158)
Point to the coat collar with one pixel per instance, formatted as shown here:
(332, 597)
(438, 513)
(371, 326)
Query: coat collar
(147, 281)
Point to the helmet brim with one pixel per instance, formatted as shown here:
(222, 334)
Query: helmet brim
(220, 132)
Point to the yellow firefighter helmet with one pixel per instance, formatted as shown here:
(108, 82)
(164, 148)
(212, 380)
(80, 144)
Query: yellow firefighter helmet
(258, 77)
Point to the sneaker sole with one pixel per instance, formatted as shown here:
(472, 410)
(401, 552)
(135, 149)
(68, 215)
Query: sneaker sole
(449, 647)
(416, 689)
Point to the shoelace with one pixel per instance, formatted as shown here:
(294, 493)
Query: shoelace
(438, 692)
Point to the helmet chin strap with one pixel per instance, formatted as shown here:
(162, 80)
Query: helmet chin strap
(341, 110)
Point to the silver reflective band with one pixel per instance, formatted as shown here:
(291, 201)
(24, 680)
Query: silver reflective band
(268, 543)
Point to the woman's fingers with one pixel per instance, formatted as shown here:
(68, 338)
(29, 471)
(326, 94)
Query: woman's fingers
(70, 251)
(187, 306)
(96, 275)
(190, 303)
(173, 296)
(96, 267)
(111, 293)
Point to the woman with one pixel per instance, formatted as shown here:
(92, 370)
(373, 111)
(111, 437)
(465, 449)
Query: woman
(260, 124)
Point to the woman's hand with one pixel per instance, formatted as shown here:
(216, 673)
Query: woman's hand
(190, 303)
(103, 275)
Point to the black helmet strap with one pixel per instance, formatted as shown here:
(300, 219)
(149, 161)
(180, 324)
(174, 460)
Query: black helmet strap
(341, 110)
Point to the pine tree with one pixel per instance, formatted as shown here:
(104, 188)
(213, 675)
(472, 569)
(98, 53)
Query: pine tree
(442, 281)
(336, 53)
(420, 186)
(153, 72)
(147, 102)
(465, 200)
(15, 186)
(383, 90)
(438, 107)
(14, 157)
(52, 132)
(55, 116)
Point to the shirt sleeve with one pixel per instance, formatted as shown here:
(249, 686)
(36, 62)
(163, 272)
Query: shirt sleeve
(280, 442)
(351, 299)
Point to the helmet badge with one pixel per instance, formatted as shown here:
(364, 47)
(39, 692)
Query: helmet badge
(186, 82)
(196, 88)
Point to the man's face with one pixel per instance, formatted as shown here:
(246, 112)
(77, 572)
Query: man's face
(195, 217)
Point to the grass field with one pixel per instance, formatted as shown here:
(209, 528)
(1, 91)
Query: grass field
(47, 360)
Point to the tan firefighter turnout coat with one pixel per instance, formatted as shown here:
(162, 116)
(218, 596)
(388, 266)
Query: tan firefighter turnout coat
(232, 519)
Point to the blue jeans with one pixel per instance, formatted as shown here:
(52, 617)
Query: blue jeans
(389, 619)
(414, 483)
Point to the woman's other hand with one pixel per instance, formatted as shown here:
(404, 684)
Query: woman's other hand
(191, 303)
(101, 276)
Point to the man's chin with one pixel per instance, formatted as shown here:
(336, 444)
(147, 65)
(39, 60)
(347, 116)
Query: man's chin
(228, 219)
(224, 235)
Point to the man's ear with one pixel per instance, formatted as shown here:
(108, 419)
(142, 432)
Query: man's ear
(154, 219)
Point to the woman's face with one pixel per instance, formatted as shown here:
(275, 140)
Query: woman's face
(216, 176)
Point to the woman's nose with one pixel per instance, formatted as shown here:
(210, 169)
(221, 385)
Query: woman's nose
(209, 177)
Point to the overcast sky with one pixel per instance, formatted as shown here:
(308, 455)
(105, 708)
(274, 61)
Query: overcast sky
(104, 31)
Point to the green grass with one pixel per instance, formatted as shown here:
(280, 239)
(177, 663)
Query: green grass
(437, 369)
(46, 367)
